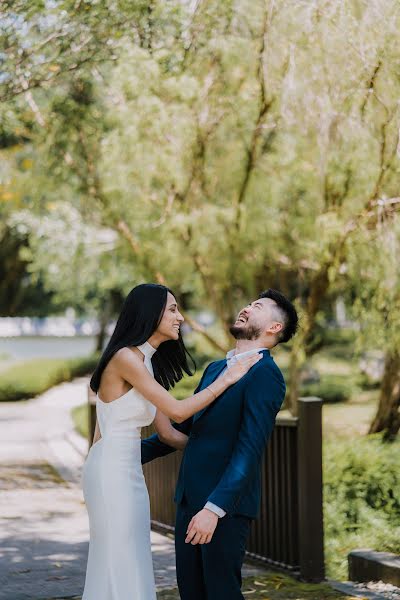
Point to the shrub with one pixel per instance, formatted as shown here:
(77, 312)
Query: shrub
(331, 388)
(361, 498)
(80, 418)
(186, 386)
(334, 336)
(28, 379)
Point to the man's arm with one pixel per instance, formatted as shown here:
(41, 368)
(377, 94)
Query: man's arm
(264, 395)
(153, 447)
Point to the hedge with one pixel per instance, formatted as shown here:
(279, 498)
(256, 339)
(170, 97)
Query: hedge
(28, 379)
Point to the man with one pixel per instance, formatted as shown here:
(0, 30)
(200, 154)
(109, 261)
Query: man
(219, 485)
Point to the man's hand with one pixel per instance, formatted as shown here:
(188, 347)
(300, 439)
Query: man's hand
(201, 527)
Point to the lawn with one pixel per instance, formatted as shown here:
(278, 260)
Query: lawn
(25, 380)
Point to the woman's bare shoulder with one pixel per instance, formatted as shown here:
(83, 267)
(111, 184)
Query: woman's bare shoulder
(128, 357)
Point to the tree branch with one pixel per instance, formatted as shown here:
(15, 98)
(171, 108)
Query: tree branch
(264, 106)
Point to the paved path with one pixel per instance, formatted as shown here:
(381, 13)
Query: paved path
(43, 521)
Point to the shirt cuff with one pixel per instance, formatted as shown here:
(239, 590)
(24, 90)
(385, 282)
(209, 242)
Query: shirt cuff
(215, 509)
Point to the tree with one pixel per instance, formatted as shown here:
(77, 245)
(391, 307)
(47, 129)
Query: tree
(43, 44)
(373, 267)
(78, 263)
(239, 193)
(229, 161)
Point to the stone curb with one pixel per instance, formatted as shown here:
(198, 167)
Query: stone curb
(347, 587)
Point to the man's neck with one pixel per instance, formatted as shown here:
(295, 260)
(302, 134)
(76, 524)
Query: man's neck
(246, 345)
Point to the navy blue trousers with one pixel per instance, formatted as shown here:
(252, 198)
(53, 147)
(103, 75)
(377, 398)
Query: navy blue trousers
(211, 571)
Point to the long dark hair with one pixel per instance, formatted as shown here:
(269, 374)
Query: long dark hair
(140, 316)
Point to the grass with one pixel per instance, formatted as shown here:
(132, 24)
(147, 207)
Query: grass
(28, 379)
(352, 418)
(80, 419)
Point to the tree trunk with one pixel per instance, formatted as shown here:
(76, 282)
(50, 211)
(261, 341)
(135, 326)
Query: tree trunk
(387, 418)
(302, 345)
(104, 318)
(101, 336)
(296, 364)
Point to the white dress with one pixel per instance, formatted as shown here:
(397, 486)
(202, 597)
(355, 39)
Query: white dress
(119, 564)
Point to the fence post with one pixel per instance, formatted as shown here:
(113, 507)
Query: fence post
(309, 456)
(91, 415)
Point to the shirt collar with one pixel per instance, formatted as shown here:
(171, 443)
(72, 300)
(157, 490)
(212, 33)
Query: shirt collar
(231, 354)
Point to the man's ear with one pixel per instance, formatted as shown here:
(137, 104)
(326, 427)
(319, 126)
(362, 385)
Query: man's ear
(276, 327)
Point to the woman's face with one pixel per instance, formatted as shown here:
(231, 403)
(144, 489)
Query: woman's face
(171, 320)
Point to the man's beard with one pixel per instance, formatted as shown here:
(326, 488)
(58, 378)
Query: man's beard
(245, 333)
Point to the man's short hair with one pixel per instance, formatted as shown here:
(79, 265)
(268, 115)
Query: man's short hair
(287, 314)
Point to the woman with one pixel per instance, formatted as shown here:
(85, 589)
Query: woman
(129, 396)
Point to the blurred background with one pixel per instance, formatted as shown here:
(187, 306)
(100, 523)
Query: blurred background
(220, 148)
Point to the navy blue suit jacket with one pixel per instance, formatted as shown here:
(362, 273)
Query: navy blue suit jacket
(221, 462)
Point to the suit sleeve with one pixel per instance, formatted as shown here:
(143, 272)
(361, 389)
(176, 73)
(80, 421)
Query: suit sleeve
(264, 394)
(152, 447)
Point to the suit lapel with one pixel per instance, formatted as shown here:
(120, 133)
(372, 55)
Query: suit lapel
(214, 372)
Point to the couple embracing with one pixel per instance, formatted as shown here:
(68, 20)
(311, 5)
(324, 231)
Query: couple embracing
(222, 428)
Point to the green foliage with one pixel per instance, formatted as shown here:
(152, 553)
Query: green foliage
(331, 388)
(362, 499)
(224, 160)
(26, 380)
(377, 284)
(80, 418)
(43, 42)
(186, 386)
(339, 337)
(297, 153)
(20, 294)
(75, 260)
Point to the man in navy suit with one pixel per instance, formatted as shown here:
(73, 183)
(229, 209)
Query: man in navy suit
(219, 484)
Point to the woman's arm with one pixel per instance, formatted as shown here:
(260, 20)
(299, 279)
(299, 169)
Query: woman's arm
(131, 368)
(167, 433)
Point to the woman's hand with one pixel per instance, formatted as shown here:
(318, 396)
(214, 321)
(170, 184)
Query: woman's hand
(240, 368)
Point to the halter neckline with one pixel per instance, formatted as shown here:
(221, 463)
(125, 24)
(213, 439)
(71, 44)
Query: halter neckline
(147, 349)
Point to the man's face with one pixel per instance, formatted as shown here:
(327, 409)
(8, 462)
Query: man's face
(254, 320)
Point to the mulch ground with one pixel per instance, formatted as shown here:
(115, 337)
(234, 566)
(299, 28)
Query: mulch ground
(274, 586)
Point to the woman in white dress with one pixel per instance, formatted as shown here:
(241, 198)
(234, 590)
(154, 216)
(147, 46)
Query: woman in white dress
(143, 359)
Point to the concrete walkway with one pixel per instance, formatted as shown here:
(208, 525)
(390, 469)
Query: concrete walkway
(43, 521)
